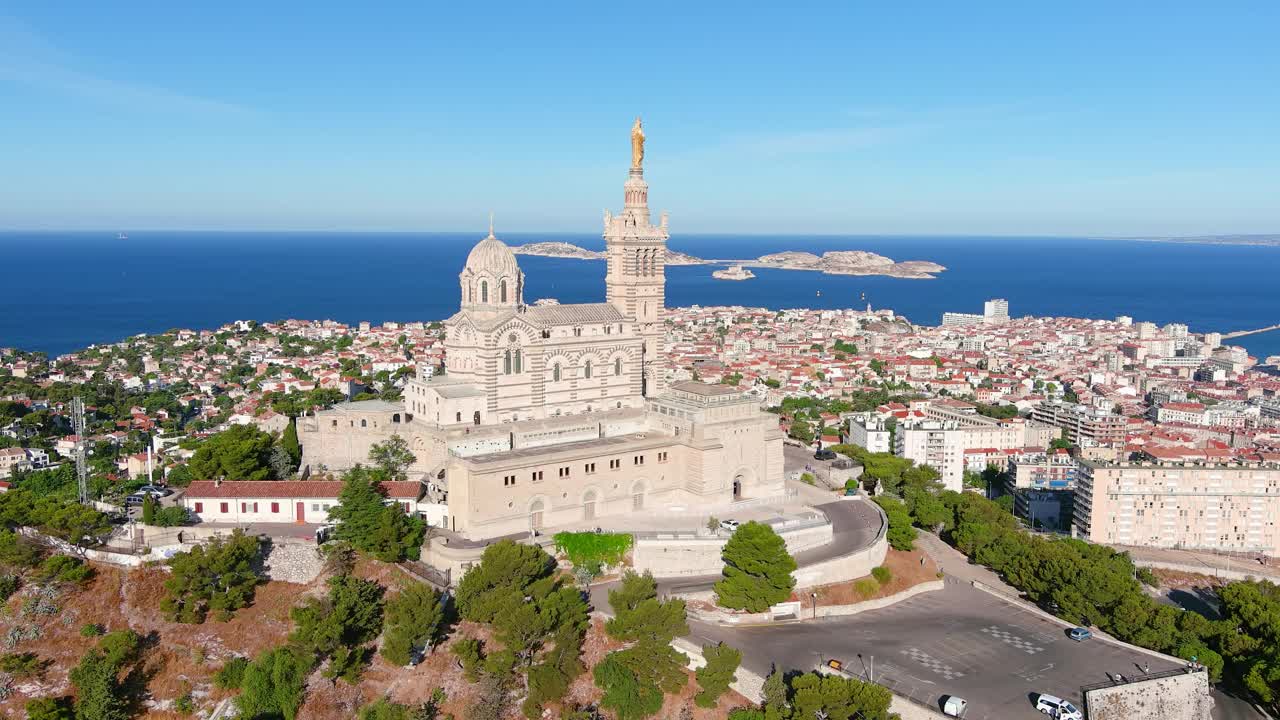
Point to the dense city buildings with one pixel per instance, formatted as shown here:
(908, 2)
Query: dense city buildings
(542, 381)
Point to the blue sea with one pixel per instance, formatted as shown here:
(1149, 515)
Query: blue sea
(63, 291)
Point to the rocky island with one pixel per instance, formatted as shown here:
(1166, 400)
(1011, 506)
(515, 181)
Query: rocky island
(733, 272)
(849, 262)
(839, 262)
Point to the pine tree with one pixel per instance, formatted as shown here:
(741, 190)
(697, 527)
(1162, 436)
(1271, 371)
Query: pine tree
(148, 510)
(757, 569)
(289, 441)
(412, 619)
(718, 674)
(359, 509)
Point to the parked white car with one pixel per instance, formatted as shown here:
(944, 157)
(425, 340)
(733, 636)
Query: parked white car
(1057, 708)
(730, 525)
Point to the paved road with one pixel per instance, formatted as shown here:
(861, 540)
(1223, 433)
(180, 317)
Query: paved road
(854, 524)
(958, 640)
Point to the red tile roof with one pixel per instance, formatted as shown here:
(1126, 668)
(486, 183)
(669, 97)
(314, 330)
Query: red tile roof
(409, 489)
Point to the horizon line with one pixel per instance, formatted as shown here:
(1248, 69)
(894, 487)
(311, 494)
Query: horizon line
(283, 231)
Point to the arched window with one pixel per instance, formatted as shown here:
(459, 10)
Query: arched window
(502, 291)
(364, 423)
(587, 371)
(459, 417)
(617, 366)
(517, 363)
(484, 291)
(555, 372)
(506, 363)
(471, 292)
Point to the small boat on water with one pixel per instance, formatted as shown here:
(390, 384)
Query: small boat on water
(122, 236)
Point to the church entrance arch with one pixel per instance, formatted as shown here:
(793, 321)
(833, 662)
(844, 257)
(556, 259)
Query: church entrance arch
(742, 477)
(535, 516)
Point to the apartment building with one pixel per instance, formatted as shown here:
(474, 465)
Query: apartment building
(1043, 470)
(1082, 425)
(935, 443)
(870, 432)
(1199, 506)
(939, 436)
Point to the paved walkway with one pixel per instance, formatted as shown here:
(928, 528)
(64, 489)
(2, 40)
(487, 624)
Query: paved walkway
(956, 566)
(1206, 563)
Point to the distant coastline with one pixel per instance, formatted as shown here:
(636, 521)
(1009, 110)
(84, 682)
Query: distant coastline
(838, 262)
(1254, 240)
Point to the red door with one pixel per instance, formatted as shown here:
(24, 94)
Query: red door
(302, 512)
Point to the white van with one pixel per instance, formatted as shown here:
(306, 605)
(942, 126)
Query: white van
(1057, 708)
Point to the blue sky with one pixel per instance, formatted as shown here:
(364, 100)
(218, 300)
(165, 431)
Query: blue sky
(850, 118)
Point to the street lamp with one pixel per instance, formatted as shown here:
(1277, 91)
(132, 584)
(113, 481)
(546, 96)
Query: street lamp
(814, 598)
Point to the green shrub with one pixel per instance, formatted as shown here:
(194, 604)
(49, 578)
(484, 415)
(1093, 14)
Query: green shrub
(411, 620)
(172, 516)
(65, 568)
(807, 478)
(1146, 577)
(231, 675)
(18, 551)
(185, 704)
(91, 630)
(21, 665)
(585, 547)
(866, 587)
(8, 586)
(717, 675)
(52, 708)
(275, 684)
(901, 535)
(882, 574)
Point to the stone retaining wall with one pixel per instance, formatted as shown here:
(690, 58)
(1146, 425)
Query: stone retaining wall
(694, 554)
(846, 567)
(1184, 696)
(1207, 570)
(729, 618)
(293, 561)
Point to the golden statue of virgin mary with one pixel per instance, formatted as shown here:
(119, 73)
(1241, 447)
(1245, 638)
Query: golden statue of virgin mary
(637, 144)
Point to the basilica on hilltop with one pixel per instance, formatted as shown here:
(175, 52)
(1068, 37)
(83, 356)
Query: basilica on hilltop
(547, 415)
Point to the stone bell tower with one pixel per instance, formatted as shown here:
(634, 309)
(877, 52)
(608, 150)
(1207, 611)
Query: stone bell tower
(635, 249)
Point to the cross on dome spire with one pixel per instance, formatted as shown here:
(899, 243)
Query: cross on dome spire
(491, 223)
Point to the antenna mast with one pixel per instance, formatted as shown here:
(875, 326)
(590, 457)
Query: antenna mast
(82, 467)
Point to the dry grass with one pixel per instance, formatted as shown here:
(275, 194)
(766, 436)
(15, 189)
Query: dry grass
(1185, 580)
(908, 571)
(184, 658)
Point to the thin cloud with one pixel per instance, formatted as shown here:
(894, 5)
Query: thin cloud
(30, 60)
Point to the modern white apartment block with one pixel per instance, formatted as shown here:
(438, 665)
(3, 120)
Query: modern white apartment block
(935, 443)
(870, 433)
(953, 319)
(1196, 506)
(995, 310)
(1082, 424)
(941, 437)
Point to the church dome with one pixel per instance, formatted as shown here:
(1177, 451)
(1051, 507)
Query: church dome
(491, 278)
(492, 257)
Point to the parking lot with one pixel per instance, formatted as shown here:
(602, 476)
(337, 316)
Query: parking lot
(957, 641)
